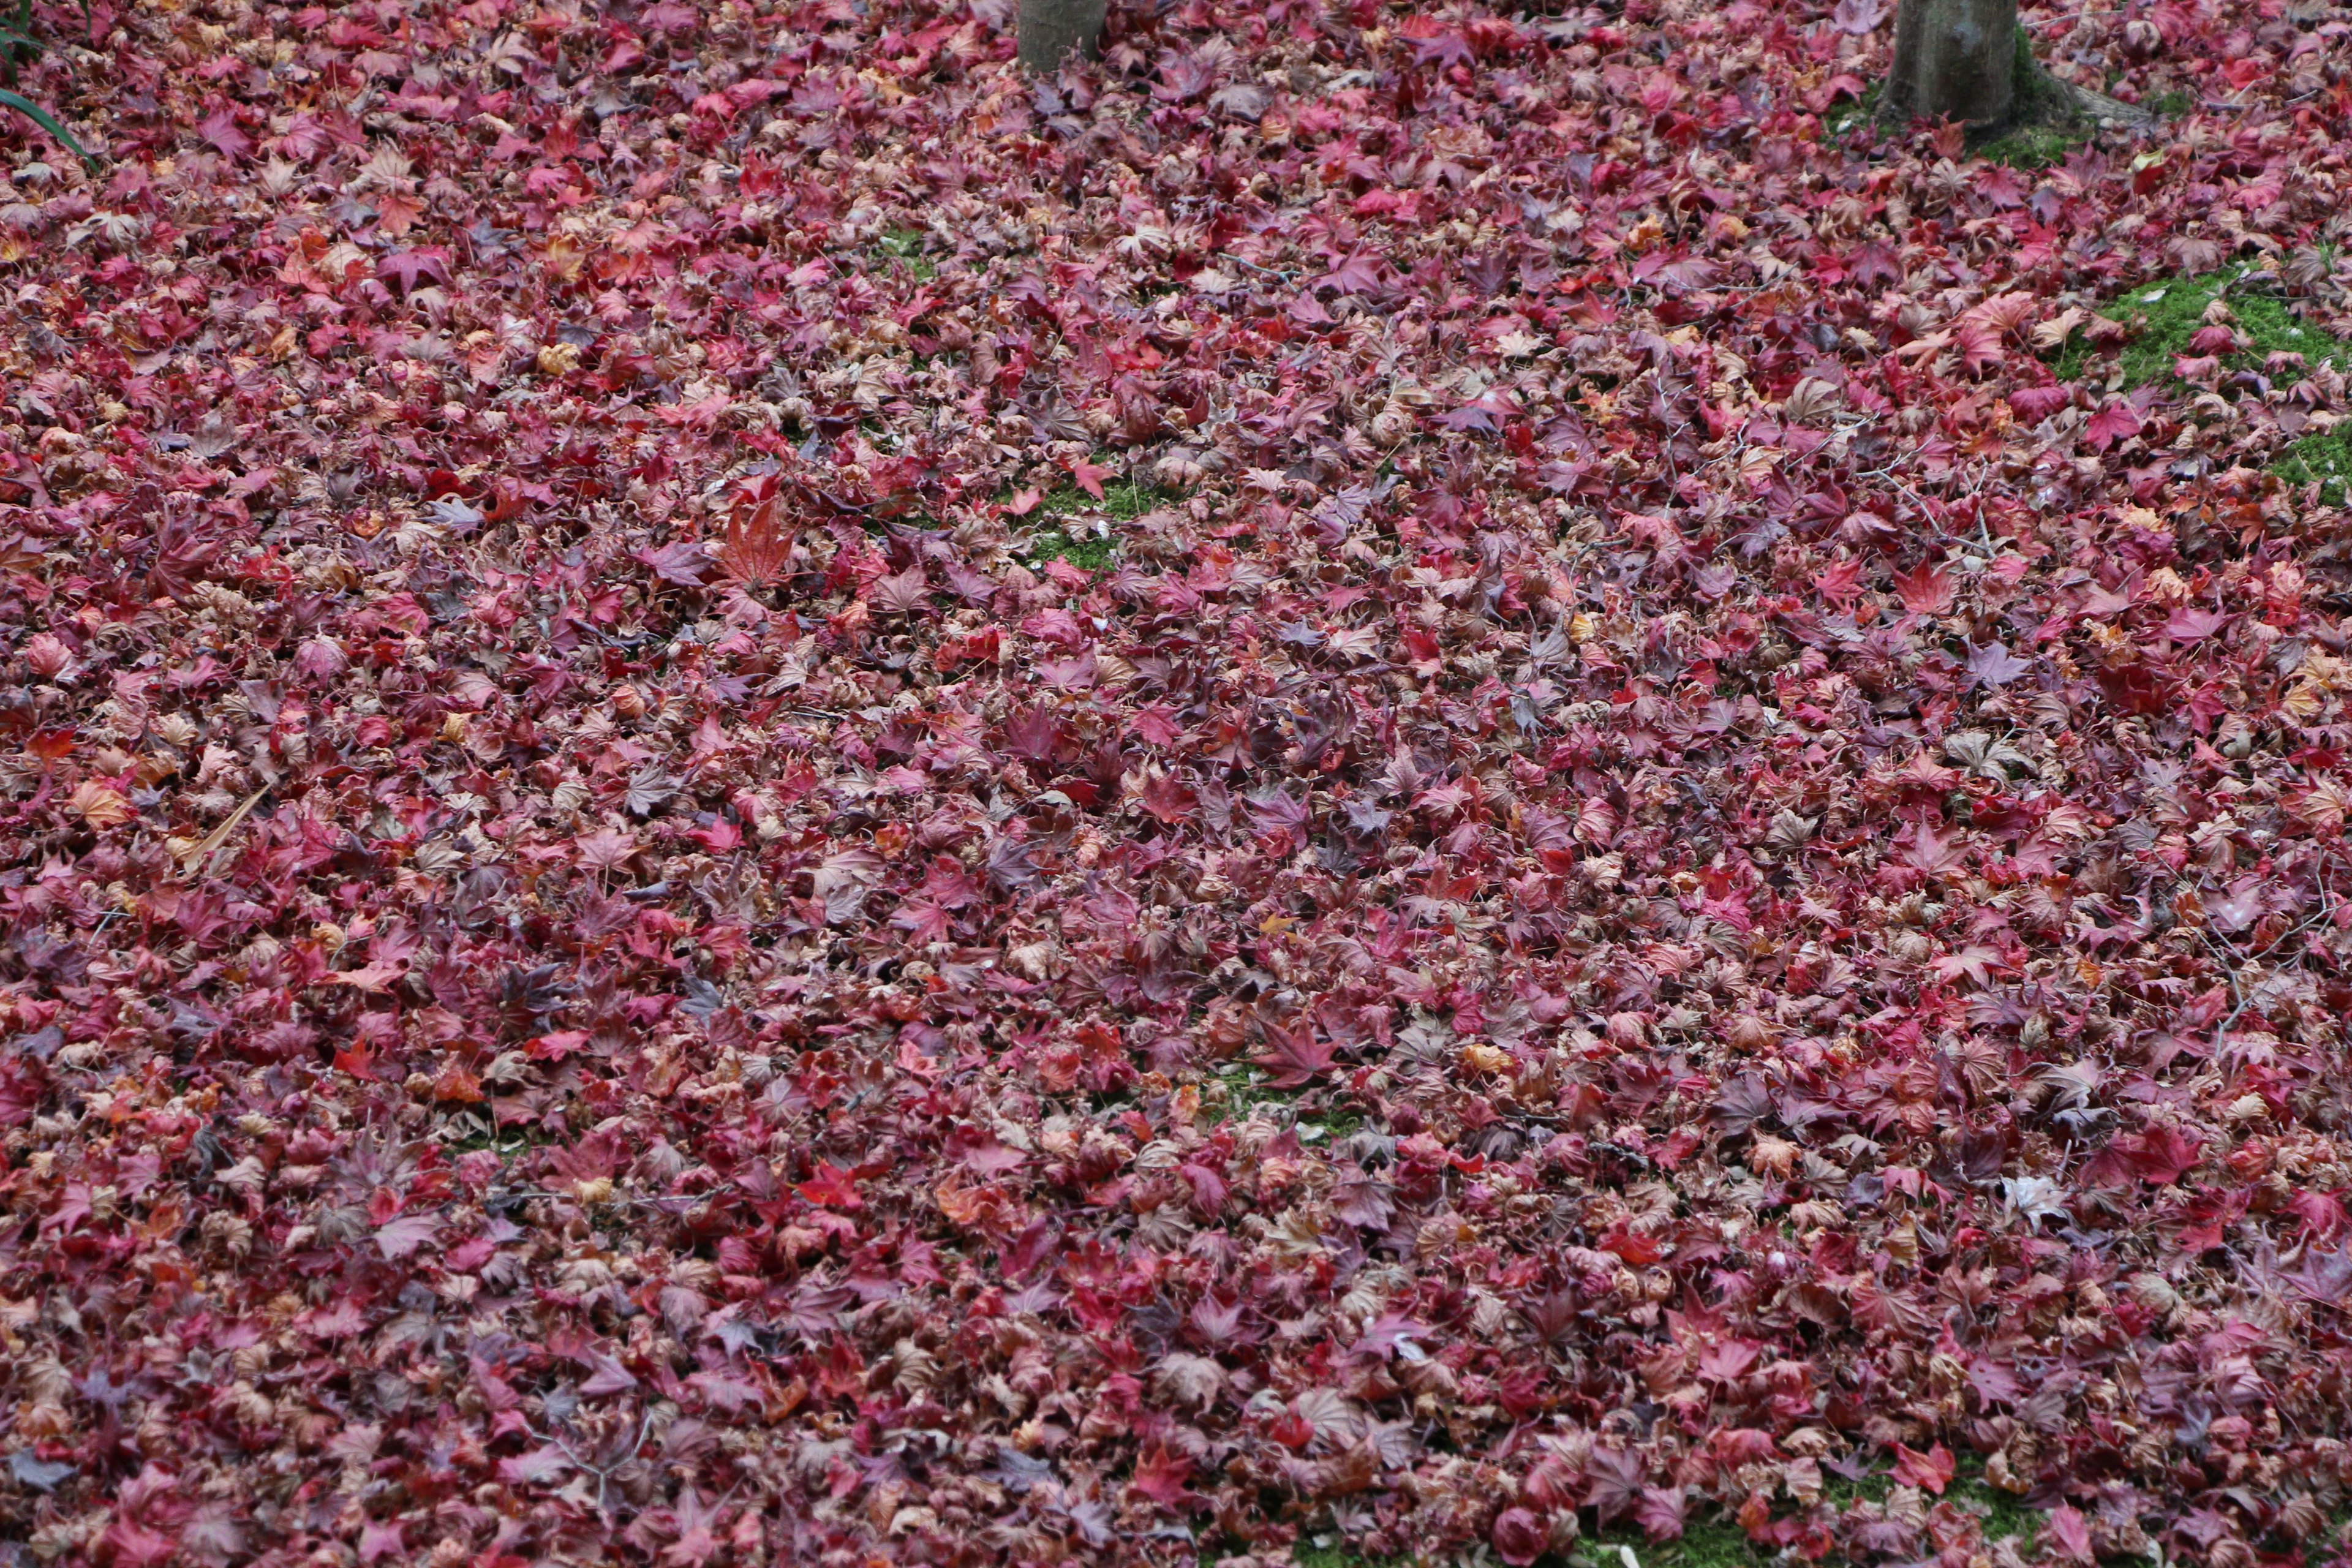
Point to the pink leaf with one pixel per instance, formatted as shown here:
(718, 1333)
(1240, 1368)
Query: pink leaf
(1294, 1056)
(1930, 1471)
(402, 1236)
(2113, 423)
(2069, 1533)
(533, 1468)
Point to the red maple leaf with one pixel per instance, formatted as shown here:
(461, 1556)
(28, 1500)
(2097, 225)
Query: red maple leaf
(756, 549)
(2162, 1156)
(408, 265)
(1161, 1475)
(1294, 1056)
(1930, 1471)
(2070, 1534)
(2113, 423)
(1924, 590)
(832, 1187)
(1170, 799)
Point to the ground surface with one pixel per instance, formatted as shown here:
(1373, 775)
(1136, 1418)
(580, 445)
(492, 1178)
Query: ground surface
(1386, 783)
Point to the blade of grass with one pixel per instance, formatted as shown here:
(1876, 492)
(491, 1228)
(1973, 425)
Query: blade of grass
(15, 49)
(17, 44)
(49, 122)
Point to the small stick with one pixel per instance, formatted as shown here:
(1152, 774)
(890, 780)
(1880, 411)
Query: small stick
(219, 835)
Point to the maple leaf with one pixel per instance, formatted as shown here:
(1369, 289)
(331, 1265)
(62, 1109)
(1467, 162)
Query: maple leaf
(1660, 1512)
(1167, 798)
(400, 1236)
(220, 129)
(387, 1538)
(1358, 274)
(397, 212)
(371, 977)
(41, 1474)
(539, 1466)
(407, 266)
(1070, 674)
(1993, 665)
(1741, 1103)
(1874, 263)
(1479, 414)
(1295, 1056)
(697, 1542)
(1193, 1381)
(703, 413)
(1614, 1482)
(2322, 1213)
(1161, 1475)
(981, 1151)
(681, 561)
(1449, 48)
(2189, 623)
(756, 550)
(604, 849)
(909, 593)
(2068, 1534)
(832, 1187)
(2054, 333)
(1975, 961)
(1980, 344)
(137, 1546)
(1519, 1536)
(2115, 421)
(1930, 1471)
(606, 1376)
(100, 806)
(1841, 582)
(1926, 590)
(1933, 853)
(2324, 1276)
(1364, 1200)
(557, 1044)
(2162, 1156)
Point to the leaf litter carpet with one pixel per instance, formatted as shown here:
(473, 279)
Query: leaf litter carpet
(1438, 780)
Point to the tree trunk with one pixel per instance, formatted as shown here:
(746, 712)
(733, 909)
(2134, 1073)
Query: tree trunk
(1050, 29)
(1954, 60)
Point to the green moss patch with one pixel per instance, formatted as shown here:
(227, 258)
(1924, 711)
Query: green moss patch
(1714, 1541)
(1124, 500)
(1306, 1556)
(2325, 459)
(1064, 520)
(2034, 147)
(2163, 315)
(1087, 552)
(1853, 112)
(905, 246)
(1245, 1087)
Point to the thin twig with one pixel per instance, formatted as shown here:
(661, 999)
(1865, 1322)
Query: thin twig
(616, 1201)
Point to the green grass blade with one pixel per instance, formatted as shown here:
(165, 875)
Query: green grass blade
(49, 122)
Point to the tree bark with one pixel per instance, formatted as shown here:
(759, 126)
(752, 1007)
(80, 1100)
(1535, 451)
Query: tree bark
(1051, 30)
(1954, 60)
